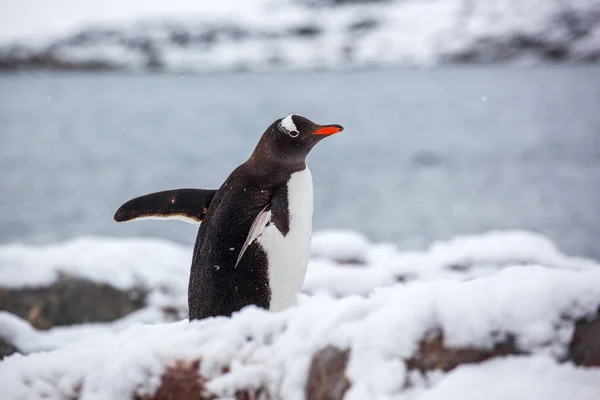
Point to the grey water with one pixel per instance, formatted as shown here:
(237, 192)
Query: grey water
(425, 155)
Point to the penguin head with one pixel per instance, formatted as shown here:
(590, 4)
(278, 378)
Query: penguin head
(290, 139)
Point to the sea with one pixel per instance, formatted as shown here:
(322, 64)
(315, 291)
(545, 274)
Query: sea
(426, 154)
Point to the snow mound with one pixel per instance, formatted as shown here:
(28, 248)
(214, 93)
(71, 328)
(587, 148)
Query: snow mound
(535, 307)
(527, 377)
(123, 263)
(344, 246)
(158, 267)
(460, 258)
(299, 35)
(162, 268)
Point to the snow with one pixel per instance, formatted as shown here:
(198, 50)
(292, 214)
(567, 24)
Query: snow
(20, 333)
(123, 263)
(341, 245)
(536, 377)
(35, 18)
(159, 267)
(477, 289)
(268, 34)
(536, 305)
(162, 267)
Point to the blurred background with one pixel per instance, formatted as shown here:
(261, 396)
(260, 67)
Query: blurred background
(460, 116)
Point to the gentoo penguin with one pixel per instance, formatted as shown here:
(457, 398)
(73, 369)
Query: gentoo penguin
(254, 241)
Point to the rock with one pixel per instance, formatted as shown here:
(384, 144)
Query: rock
(182, 381)
(585, 343)
(6, 349)
(434, 355)
(326, 378)
(70, 300)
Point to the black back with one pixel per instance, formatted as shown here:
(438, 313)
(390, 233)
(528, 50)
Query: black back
(217, 286)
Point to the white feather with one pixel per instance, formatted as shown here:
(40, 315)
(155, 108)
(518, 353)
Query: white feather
(258, 225)
(288, 256)
(288, 124)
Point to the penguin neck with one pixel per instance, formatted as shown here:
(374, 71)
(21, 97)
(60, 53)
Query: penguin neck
(264, 157)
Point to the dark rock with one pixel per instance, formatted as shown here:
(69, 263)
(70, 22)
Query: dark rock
(326, 377)
(585, 343)
(363, 25)
(6, 349)
(181, 381)
(180, 37)
(184, 382)
(70, 300)
(306, 31)
(434, 355)
(89, 36)
(48, 60)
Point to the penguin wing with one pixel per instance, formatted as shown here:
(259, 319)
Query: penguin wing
(189, 205)
(256, 229)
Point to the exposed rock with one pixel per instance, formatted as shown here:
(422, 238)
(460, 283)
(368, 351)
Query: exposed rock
(585, 343)
(183, 382)
(327, 380)
(48, 60)
(434, 355)
(70, 300)
(6, 349)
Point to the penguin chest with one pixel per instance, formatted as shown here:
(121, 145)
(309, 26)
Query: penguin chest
(288, 254)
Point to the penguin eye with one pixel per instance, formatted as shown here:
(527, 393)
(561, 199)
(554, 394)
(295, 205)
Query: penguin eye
(285, 130)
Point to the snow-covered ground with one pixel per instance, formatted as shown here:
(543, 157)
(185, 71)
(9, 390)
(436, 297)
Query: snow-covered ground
(371, 298)
(303, 34)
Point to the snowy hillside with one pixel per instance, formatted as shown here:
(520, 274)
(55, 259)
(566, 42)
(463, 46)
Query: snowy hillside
(327, 34)
(499, 315)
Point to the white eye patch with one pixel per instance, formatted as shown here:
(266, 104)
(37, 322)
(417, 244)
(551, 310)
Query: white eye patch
(287, 126)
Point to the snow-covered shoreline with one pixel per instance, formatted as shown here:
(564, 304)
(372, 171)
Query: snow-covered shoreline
(503, 306)
(532, 308)
(266, 35)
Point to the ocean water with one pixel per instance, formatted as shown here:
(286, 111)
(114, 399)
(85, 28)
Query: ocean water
(425, 155)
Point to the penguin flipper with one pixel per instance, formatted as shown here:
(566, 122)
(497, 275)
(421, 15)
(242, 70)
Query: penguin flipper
(258, 225)
(189, 205)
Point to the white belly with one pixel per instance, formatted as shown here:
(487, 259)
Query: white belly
(288, 256)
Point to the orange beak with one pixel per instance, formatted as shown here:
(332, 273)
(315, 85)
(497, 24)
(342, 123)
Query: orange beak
(328, 130)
